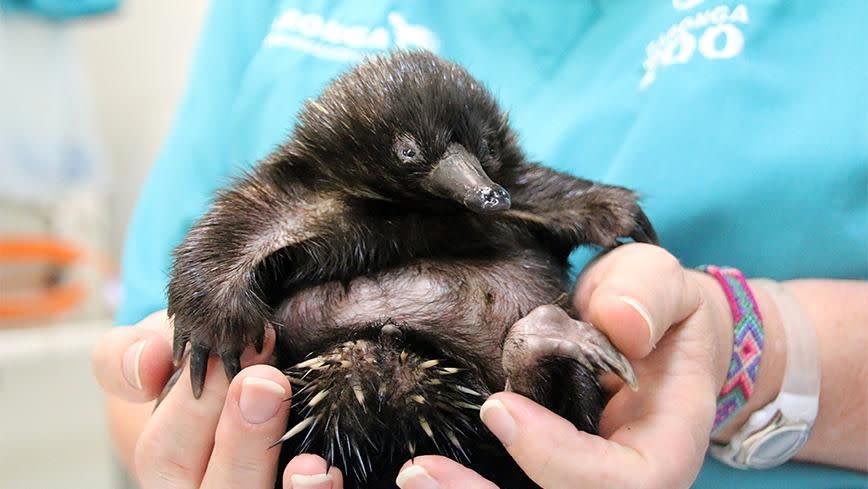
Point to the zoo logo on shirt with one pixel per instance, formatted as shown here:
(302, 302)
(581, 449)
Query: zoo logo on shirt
(714, 33)
(330, 39)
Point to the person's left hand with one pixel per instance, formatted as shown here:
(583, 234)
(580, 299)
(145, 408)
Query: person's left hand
(653, 438)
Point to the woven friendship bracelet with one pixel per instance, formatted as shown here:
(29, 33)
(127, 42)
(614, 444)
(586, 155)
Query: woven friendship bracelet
(748, 341)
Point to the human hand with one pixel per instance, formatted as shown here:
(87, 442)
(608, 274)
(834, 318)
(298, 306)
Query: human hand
(219, 440)
(675, 325)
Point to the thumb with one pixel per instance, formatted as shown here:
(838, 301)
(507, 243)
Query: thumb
(552, 452)
(134, 362)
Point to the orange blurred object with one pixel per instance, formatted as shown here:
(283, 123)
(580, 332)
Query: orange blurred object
(53, 298)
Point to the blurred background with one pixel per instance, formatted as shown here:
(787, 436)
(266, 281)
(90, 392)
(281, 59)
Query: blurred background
(87, 94)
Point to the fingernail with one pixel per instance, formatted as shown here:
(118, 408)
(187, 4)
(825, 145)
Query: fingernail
(646, 316)
(318, 481)
(498, 420)
(416, 477)
(130, 364)
(260, 399)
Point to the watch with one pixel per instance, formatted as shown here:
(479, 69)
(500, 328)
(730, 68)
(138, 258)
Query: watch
(774, 433)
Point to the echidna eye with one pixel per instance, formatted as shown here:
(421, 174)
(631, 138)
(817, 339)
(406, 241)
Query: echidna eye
(406, 149)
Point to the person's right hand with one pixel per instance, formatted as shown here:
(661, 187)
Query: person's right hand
(219, 440)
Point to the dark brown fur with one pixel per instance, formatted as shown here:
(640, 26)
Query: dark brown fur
(330, 237)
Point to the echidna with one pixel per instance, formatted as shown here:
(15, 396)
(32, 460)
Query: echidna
(395, 243)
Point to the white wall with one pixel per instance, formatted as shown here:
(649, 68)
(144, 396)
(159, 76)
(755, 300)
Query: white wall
(136, 62)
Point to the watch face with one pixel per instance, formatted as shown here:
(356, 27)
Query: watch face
(778, 446)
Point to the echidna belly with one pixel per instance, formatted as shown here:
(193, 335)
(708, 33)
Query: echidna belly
(397, 364)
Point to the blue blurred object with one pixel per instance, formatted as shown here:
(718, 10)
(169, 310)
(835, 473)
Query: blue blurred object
(59, 9)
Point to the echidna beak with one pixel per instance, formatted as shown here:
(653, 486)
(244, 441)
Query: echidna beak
(459, 176)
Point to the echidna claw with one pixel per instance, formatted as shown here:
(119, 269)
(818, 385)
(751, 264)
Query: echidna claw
(199, 355)
(259, 340)
(231, 363)
(179, 344)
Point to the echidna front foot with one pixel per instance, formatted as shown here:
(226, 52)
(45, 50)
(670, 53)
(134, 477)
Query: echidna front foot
(227, 343)
(549, 333)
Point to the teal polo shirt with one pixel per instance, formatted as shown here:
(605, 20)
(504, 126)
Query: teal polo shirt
(744, 125)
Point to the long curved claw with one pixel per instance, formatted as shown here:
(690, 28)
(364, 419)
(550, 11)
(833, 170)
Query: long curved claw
(198, 367)
(179, 344)
(549, 332)
(231, 363)
(259, 340)
(644, 232)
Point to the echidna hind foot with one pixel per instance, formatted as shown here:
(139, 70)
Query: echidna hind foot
(377, 398)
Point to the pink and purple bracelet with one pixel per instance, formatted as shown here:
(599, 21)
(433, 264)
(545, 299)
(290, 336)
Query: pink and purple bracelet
(748, 341)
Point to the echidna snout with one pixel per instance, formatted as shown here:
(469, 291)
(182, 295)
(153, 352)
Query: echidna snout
(386, 397)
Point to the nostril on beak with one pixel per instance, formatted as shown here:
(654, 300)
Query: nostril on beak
(493, 199)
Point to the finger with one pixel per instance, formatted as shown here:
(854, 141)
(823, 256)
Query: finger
(174, 448)
(134, 362)
(232, 362)
(668, 420)
(634, 294)
(431, 471)
(311, 472)
(552, 452)
(254, 416)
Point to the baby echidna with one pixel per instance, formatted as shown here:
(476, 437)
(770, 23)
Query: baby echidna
(411, 262)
